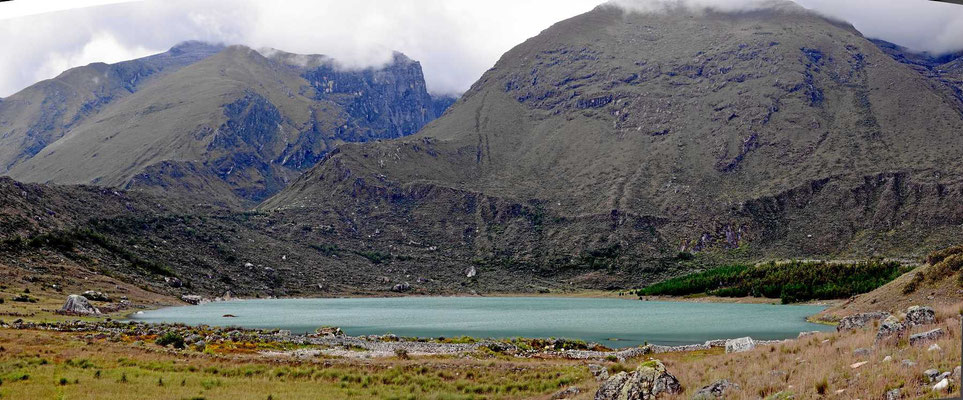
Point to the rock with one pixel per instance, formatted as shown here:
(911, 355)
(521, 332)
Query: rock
(648, 381)
(888, 359)
(401, 287)
(935, 347)
(942, 385)
(860, 320)
(919, 315)
(890, 329)
(95, 296)
(893, 394)
(740, 345)
(248, 265)
(945, 375)
(931, 374)
(804, 334)
(927, 336)
(599, 372)
(859, 364)
(471, 272)
(566, 393)
(717, 390)
(956, 373)
(194, 299)
(173, 282)
(78, 305)
(861, 352)
(329, 331)
(781, 396)
(908, 364)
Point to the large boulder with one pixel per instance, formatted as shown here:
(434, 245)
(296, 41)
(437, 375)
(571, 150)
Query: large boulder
(717, 390)
(739, 345)
(925, 337)
(401, 287)
(919, 315)
(95, 296)
(78, 305)
(860, 320)
(891, 329)
(649, 381)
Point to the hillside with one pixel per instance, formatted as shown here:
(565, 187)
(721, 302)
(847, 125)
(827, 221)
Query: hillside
(595, 152)
(230, 128)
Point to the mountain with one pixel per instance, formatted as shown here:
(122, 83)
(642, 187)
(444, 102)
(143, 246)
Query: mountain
(228, 125)
(596, 152)
(42, 113)
(945, 70)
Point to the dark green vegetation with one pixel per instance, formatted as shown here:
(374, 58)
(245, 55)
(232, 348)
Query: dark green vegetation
(794, 281)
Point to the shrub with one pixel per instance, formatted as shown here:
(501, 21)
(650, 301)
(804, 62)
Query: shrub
(938, 256)
(172, 339)
(402, 353)
(914, 283)
(821, 387)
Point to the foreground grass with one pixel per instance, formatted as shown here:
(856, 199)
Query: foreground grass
(48, 365)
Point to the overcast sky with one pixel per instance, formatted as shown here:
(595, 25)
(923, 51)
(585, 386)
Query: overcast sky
(455, 40)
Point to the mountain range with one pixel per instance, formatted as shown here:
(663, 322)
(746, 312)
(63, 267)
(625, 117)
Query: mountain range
(605, 152)
(213, 124)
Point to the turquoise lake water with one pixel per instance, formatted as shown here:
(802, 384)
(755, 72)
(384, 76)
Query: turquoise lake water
(612, 322)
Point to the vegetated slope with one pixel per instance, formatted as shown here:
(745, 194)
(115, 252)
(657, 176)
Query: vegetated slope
(939, 283)
(945, 70)
(595, 151)
(233, 128)
(43, 112)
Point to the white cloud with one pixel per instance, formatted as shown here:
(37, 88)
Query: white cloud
(455, 40)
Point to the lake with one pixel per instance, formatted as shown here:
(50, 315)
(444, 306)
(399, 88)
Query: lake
(612, 322)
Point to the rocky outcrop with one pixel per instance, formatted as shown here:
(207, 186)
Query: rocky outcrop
(717, 390)
(401, 287)
(78, 305)
(599, 372)
(890, 329)
(567, 393)
(95, 296)
(857, 321)
(740, 345)
(926, 337)
(649, 381)
(920, 315)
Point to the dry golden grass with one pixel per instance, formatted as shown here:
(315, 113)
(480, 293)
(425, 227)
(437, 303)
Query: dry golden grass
(802, 366)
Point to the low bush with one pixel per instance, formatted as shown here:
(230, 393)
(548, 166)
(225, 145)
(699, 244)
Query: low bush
(171, 339)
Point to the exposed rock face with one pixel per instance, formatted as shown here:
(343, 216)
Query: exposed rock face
(649, 381)
(860, 320)
(920, 315)
(717, 390)
(78, 305)
(194, 299)
(890, 329)
(401, 287)
(739, 345)
(926, 337)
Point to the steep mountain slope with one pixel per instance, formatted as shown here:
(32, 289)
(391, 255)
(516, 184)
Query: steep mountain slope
(946, 70)
(42, 113)
(596, 151)
(234, 127)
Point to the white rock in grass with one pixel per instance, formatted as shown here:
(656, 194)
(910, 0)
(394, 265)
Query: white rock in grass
(942, 386)
(935, 347)
(888, 359)
(859, 364)
(739, 345)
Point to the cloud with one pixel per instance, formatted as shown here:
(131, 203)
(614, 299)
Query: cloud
(455, 40)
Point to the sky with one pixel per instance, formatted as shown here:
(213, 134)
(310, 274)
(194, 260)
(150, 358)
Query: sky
(455, 40)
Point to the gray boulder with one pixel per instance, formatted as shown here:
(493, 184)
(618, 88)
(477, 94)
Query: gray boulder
(95, 296)
(925, 337)
(860, 320)
(401, 287)
(740, 345)
(894, 394)
(78, 305)
(931, 374)
(566, 393)
(194, 299)
(471, 272)
(861, 352)
(890, 329)
(919, 315)
(649, 381)
(599, 372)
(717, 390)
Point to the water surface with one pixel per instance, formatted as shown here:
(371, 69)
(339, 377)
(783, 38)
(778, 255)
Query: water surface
(612, 322)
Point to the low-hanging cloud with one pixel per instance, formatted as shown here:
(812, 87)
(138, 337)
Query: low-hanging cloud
(455, 40)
